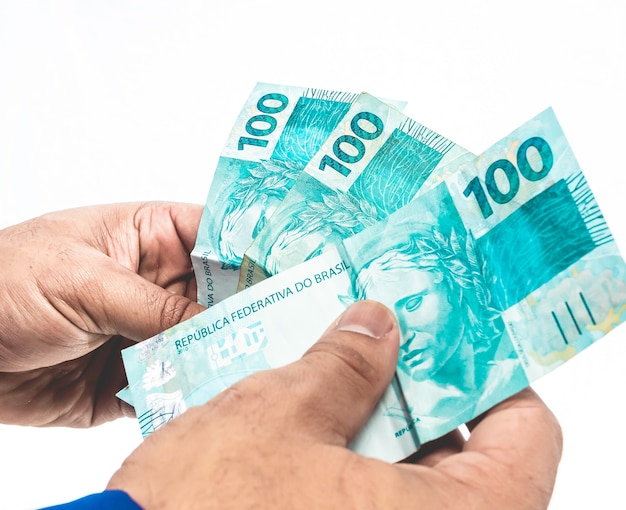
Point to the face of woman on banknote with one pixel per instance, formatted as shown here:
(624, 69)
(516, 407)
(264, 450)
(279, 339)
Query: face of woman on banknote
(430, 319)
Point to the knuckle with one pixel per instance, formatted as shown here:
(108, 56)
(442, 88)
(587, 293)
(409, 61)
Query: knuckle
(241, 401)
(174, 309)
(353, 364)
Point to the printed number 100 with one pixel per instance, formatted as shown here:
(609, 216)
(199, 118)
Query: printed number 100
(263, 124)
(366, 126)
(511, 173)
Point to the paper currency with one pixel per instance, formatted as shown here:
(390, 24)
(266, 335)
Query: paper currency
(249, 331)
(374, 162)
(278, 131)
(497, 275)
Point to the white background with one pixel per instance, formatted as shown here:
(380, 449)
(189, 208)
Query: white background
(116, 101)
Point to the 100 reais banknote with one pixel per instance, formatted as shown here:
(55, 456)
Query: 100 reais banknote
(278, 131)
(374, 162)
(498, 274)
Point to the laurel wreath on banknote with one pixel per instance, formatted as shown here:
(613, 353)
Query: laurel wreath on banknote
(345, 213)
(268, 178)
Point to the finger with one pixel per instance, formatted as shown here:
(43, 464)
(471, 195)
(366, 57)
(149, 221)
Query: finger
(433, 452)
(111, 378)
(186, 220)
(335, 386)
(116, 301)
(167, 233)
(138, 309)
(521, 423)
(152, 216)
(516, 444)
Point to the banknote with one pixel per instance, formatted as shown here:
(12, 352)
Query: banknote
(266, 326)
(374, 162)
(497, 275)
(278, 131)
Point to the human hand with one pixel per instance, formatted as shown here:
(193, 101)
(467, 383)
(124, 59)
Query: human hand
(78, 286)
(277, 439)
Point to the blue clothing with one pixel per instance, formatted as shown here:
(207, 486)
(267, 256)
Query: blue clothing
(118, 500)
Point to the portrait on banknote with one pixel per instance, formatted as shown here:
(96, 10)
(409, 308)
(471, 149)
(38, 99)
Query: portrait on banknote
(455, 354)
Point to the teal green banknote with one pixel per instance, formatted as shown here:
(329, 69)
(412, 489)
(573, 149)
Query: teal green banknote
(497, 275)
(278, 131)
(374, 162)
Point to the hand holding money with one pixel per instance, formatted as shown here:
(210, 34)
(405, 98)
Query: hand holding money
(78, 286)
(499, 272)
(277, 439)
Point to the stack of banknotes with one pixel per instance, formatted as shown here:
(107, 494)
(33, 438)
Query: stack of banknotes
(499, 267)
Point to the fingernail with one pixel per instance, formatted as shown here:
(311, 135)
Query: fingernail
(367, 317)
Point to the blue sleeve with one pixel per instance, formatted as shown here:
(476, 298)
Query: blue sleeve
(104, 500)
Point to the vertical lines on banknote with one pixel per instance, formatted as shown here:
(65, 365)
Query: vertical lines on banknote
(584, 302)
(427, 136)
(571, 314)
(558, 325)
(396, 173)
(540, 239)
(330, 95)
(589, 209)
(311, 123)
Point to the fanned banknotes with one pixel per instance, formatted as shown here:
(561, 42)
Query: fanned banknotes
(497, 275)
(375, 161)
(277, 132)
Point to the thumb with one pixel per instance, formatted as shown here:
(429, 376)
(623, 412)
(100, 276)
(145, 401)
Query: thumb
(337, 383)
